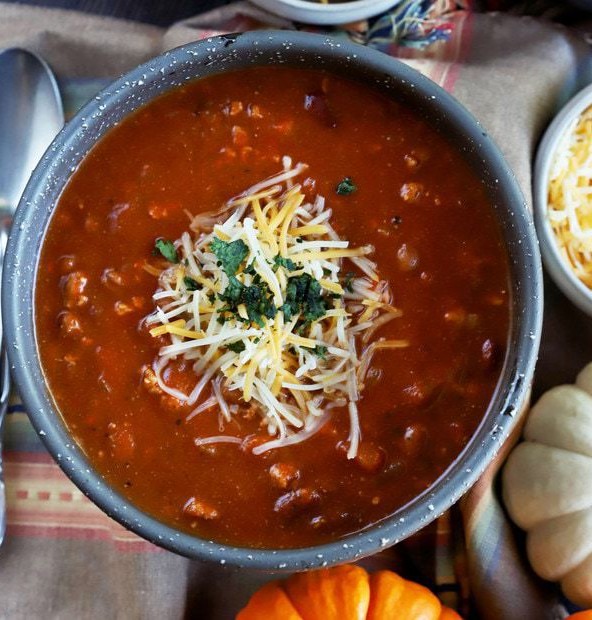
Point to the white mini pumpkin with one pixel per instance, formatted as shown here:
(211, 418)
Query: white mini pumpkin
(547, 487)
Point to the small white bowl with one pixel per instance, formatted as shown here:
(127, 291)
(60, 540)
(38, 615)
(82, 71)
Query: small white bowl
(313, 12)
(558, 268)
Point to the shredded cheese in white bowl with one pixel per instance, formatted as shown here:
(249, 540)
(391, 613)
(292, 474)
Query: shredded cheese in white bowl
(563, 199)
(261, 300)
(570, 196)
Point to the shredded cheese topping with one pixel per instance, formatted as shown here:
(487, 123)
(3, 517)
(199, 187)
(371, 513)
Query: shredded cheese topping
(570, 196)
(259, 301)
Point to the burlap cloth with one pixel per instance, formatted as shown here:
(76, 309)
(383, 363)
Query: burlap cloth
(63, 559)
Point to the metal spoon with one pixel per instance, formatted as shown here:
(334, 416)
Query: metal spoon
(31, 115)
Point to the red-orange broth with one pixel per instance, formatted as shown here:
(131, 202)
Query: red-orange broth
(436, 241)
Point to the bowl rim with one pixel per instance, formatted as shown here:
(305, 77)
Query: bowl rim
(513, 387)
(561, 272)
(319, 13)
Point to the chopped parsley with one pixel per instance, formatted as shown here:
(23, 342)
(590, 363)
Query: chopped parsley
(191, 284)
(167, 249)
(286, 263)
(236, 347)
(230, 255)
(348, 281)
(346, 187)
(320, 351)
(304, 297)
(257, 298)
(232, 293)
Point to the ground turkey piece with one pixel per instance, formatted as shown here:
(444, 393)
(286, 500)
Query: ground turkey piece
(69, 324)
(198, 508)
(73, 291)
(284, 475)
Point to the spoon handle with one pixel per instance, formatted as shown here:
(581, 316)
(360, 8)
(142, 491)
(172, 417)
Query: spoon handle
(5, 380)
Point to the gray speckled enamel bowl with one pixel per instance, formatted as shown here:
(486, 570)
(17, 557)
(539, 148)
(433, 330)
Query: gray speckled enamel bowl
(227, 53)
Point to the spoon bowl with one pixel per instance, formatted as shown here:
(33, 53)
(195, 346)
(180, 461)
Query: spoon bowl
(31, 115)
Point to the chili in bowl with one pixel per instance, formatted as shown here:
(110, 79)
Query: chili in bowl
(313, 291)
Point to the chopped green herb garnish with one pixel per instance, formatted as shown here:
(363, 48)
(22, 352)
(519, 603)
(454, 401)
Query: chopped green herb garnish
(191, 284)
(320, 351)
(230, 255)
(286, 263)
(259, 302)
(257, 298)
(236, 347)
(167, 249)
(348, 281)
(304, 297)
(211, 297)
(232, 293)
(346, 187)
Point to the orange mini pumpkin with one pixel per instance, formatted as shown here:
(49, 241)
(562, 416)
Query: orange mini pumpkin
(581, 615)
(345, 593)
